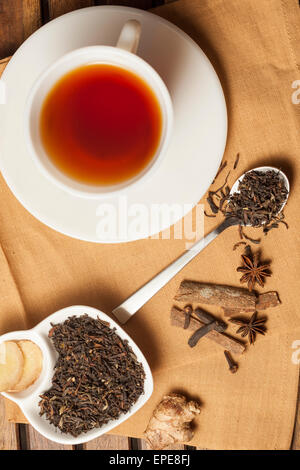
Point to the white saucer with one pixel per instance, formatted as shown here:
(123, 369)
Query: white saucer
(199, 134)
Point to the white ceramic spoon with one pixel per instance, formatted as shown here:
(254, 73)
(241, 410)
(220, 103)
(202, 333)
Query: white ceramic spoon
(128, 308)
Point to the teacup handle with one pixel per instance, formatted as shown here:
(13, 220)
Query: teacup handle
(130, 36)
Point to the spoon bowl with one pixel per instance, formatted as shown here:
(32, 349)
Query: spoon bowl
(264, 169)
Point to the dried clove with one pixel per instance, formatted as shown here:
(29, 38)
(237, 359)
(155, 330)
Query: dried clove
(200, 333)
(188, 310)
(207, 318)
(210, 323)
(233, 367)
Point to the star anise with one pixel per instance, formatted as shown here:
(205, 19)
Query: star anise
(250, 327)
(254, 272)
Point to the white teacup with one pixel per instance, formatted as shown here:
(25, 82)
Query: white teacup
(123, 55)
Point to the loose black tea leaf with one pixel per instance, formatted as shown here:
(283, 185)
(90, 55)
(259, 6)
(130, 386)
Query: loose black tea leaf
(97, 376)
(236, 161)
(209, 215)
(214, 208)
(212, 193)
(221, 168)
(252, 240)
(219, 194)
(236, 245)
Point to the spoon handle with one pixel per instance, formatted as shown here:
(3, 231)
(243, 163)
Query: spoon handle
(130, 306)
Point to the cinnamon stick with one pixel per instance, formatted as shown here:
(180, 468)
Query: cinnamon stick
(267, 300)
(227, 297)
(263, 302)
(226, 342)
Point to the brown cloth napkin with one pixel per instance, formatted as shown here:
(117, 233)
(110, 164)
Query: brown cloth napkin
(253, 48)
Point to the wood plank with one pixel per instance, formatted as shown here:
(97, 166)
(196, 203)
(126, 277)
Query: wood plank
(18, 20)
(59, 7)
(108, 442)
(8, 434)
(142, 4)
(296, 436)
(35, 441)
(145, 446)
(13, 412)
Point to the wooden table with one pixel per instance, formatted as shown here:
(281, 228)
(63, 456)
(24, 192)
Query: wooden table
(18, 20)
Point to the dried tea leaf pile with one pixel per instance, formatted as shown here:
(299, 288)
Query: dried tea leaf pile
(97, 376)
(259, 199)
(258, 202)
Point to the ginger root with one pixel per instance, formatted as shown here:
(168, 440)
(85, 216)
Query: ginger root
(170, 422)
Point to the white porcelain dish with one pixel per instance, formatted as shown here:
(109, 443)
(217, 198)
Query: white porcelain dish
(199, 129)
(28, 399)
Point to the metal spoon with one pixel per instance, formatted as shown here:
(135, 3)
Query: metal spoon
(128, 308)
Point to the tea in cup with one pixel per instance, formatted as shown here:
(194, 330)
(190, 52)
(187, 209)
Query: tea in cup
(99, 119)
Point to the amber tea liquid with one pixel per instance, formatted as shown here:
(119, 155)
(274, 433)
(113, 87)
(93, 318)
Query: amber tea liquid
(101, 124)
